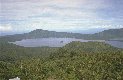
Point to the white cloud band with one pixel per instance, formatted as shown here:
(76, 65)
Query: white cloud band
(7, 27)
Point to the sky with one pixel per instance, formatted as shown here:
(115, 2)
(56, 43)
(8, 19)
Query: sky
(60, 15)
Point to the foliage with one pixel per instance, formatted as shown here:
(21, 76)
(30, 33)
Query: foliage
(75, 61)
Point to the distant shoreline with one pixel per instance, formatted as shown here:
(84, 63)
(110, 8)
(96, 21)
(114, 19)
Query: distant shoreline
(116, 40)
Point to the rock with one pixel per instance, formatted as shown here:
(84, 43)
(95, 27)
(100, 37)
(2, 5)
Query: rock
(15, 78)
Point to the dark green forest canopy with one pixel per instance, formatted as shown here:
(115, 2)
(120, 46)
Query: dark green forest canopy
(74, 61)
(12, 52)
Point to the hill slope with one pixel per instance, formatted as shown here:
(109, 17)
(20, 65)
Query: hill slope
(75, 61)
(39, 33)
(108, 34)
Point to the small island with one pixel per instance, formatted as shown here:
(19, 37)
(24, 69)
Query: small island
(61, 41)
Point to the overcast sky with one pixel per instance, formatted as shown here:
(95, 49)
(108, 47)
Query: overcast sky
(60, 15)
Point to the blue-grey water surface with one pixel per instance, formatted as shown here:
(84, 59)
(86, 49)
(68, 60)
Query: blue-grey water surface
(59, 42)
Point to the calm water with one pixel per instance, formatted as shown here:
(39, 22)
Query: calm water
(115, 43)
(59, 42)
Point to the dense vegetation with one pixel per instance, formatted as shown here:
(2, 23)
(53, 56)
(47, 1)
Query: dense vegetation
(75, 61)
(39, 33)
(108, 34)
(11, 52)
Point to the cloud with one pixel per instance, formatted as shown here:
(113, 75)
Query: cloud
(5, 28)
(19, 10)
(61, 14)
(69, 24)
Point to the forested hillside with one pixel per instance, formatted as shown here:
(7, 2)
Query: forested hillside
(75, 61)
(108, 34)
(11, 52)
(39, 33)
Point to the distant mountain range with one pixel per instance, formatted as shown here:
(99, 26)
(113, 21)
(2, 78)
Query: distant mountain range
(39, 33)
